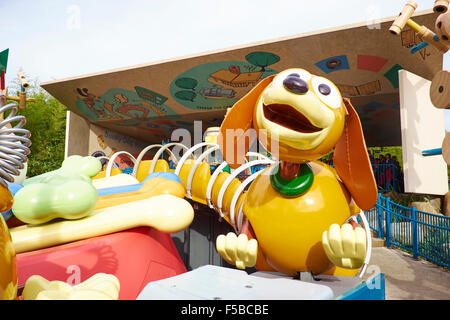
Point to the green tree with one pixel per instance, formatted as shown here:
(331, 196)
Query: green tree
(262, 59)
(186, 83)
(186, 95)
(46, 120)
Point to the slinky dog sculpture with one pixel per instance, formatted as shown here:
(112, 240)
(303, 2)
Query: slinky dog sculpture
(297, 212)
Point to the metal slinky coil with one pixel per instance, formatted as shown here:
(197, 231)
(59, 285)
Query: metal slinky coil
(14, 144)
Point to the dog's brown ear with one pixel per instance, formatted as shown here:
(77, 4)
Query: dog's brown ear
(352, 162)
(235, 137)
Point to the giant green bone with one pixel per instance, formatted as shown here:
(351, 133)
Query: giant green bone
(63, 195)
(88, 166)
(66, 193)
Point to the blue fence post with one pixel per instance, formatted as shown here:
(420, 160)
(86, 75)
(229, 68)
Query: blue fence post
(388, 222)
(414, 233)
(379, 207)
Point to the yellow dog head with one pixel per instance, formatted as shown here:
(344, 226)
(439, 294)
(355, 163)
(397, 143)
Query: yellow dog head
(300, 117)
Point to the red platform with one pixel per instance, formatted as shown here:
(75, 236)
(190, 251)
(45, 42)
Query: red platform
(136, 257)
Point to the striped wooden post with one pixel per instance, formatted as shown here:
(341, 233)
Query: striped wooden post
(3, 93)
(2, 80)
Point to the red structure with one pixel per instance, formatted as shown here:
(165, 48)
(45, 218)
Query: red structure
(136, 257)
(235, 69)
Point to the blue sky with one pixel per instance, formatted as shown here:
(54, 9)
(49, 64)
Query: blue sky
(52, 39)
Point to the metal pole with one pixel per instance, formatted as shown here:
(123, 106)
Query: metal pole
(388, 223)
(414, 233)
(380, 218)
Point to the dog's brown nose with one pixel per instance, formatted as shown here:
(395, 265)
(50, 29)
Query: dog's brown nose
(295, 84)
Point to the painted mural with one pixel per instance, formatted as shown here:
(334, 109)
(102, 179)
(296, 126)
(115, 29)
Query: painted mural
(123, 107)
(365, 63)
(333, 64)
(218, 85)
(202, 87)
(105, 142)
(410, 39)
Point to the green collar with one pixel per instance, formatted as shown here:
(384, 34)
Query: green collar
(295, 187)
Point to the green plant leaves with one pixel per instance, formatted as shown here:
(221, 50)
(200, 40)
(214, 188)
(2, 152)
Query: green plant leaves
(46, 120)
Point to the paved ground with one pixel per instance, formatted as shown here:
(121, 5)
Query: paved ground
(407, 278)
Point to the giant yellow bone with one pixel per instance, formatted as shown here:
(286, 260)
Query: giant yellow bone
(102, 174)
(121, 179)
(98, 287)
(166, 213)
(152, 187)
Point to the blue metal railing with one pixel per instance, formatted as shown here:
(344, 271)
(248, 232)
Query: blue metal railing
(421, 233)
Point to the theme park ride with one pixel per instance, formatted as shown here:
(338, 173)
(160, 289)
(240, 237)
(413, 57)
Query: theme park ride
(81, 232)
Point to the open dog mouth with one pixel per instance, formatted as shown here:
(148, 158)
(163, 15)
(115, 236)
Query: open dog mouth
(288, 117)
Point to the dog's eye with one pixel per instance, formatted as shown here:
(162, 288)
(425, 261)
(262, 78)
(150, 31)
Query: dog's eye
(324, 89)
(327, 92)
(291, 73)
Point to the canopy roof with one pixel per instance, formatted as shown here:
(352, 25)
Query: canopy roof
(149, 101)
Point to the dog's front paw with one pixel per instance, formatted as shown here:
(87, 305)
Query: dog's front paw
(237, 250)
(345, 246)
